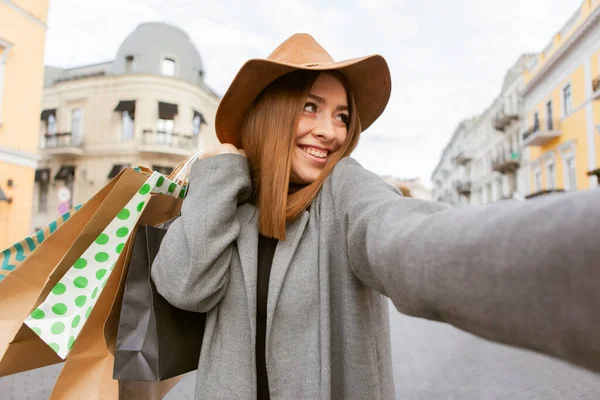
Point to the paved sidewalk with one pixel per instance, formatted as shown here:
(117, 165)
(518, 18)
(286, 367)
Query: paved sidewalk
(432, 361)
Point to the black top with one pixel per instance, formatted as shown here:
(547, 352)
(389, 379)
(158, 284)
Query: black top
(266, 251)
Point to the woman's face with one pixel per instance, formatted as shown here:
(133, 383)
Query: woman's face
(322, 128)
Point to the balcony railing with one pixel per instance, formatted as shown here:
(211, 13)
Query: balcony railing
(60, 140)
(502, 120)
(463, 158)
(541, 133)
(463, 187)
(506, 162)
(169, 140)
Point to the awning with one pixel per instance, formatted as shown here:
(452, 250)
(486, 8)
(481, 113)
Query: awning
(42, 175)
(47, 113)
(116, 169)
(199, 114)
(126, 105)
(3, 197)
(162, 170)
(65, 173)
(167, 110)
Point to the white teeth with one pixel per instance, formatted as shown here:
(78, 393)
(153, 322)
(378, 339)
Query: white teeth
(314, 152)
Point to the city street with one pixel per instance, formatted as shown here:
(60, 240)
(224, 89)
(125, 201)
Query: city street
(431, 361)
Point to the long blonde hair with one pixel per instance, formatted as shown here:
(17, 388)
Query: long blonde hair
(268, 137)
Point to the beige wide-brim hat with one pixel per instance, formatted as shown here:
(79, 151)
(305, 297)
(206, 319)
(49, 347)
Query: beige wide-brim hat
(369, 79)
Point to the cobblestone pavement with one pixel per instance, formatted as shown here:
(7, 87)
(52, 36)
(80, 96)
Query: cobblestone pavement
(432, 361)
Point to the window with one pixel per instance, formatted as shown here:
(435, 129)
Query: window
(76, 126)
(167, 66)
(43, 197)
(128, 64)
(51, 125)
(126, 126)
(551, 175)
(196, 121)
(489, 193)
(4, 50)
(538, 180)
(567, 99)
(570, 173)
(550, 122)
(536, 121)
(164, 131)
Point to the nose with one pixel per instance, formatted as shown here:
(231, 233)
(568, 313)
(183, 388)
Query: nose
(324, 129)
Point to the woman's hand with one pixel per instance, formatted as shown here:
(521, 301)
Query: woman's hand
(222, 148)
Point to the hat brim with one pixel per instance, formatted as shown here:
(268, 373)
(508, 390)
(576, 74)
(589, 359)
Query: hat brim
(368, 77)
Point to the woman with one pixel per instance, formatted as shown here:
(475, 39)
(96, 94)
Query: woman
(291, 250)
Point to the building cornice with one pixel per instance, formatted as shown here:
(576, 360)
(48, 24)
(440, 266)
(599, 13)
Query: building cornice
(131, 79)
(19, 157)
(563, 51)
(25, 13)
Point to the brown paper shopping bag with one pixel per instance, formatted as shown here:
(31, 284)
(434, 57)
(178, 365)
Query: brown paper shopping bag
(26, 287)
(88, 371)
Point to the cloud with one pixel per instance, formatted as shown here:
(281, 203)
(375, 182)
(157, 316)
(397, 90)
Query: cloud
(447, 59)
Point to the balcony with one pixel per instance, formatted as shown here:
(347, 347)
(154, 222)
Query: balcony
(507, 162)
(596, 88)
(541, 133)
(155, 141)
(62, 143)
(502, 120)
(463, 158)
(463, 187)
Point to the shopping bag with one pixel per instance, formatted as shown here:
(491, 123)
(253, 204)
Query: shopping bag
(88, 371)
(155, 340)
(59, 319)
(27, 286)
(12, 257)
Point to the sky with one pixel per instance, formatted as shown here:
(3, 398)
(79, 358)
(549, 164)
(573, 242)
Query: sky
(447, 58)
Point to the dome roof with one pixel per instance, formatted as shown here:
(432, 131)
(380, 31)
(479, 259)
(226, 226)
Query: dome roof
(146, 48)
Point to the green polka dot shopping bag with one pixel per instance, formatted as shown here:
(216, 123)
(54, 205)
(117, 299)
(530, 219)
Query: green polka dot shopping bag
(27, 285)
(60, 318)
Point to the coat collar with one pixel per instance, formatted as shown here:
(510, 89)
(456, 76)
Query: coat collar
(281, 263)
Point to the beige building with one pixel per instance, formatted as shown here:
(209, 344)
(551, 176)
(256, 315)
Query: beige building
(147, 107)
(22, 40)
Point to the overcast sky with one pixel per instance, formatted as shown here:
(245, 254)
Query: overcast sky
(447, 58)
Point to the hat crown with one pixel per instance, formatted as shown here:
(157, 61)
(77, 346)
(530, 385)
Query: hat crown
(301, 49)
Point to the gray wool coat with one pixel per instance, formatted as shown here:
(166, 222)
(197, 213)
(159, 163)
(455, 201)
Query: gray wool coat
(522, 273)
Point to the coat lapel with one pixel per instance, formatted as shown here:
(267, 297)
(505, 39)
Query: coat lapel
(281, 263)
(247, 243)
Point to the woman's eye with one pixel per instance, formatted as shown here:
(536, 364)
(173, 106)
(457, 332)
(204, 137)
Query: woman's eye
(345, 118)
(310, 107)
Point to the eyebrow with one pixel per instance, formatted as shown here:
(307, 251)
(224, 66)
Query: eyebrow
(322, 100)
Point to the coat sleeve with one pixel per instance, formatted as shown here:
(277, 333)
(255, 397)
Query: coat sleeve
(521, 273)
(191, 269)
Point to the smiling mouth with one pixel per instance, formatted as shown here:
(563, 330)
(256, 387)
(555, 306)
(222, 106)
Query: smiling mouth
(314, 152)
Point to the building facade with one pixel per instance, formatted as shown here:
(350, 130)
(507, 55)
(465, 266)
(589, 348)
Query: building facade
(480, 164)
(561, 100)
(149, 107)
(452, 176)
(22, 42)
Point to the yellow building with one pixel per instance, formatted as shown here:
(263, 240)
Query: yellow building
(562, 108)
(22, 39)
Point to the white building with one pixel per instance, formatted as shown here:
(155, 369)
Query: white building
(452, 176)
(482, 159)
(149, 106)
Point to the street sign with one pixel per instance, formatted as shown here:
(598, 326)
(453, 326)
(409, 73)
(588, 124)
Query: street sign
(64, 194)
